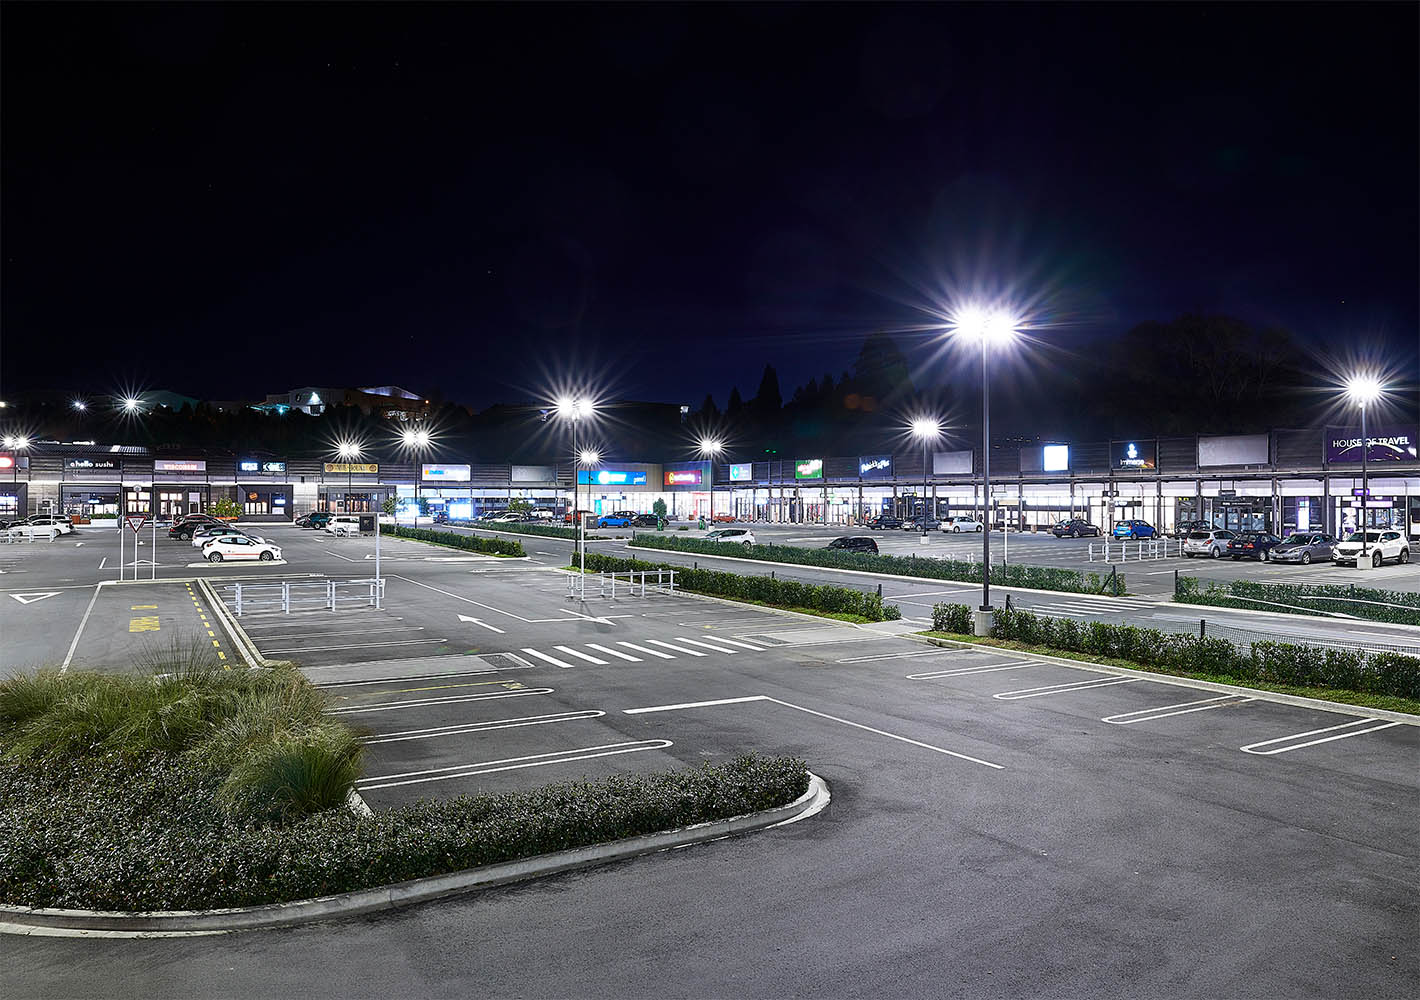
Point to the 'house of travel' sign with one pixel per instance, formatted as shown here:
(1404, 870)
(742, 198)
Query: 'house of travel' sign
(1388, 443)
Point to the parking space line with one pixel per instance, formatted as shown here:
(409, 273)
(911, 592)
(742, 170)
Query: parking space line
(1252, 747)
(572, 652)
(357, 645)
(479, 727)
(512, 763)
(1041, 692)
(361, 631)
(1168, 711)
(967, 671)
(678, 649)
(391, 706)
(739, 642)
(707, 645)
(69, 657)
(612, 652)
(643, 649)
(550, 659)
(893, 656)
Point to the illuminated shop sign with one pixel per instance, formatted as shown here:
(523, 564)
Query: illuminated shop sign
(179, 465)
(352, 468)
(742, 473)
(88, 464)
(808, 468)
(1132, 455)
(1388, 443)
(875, 466)
(252, 465)
(684, 477)
(7, 461)
(448, 473)
(610, 477)
(1055, 458)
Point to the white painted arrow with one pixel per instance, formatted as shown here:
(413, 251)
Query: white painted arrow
(36, 596)
(466, 618)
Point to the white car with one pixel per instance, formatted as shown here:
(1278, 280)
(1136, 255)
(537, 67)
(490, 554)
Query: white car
(1212, 543)
(224, 547)
(736, 536)
(507, 517)
(959, 524)
(58, 521)
(1380, 546)
(27, 529)
(343, 524)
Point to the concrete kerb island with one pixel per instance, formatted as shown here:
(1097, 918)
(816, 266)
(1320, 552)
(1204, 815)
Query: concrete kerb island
(193, 923)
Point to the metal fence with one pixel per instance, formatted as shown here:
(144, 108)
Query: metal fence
(1123, 549)
(632, 583)
(306, 595)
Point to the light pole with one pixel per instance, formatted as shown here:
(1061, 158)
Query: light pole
(1363, 390)
(926, 430)
(710, 448)
(574, 409)
(349, 451)
(416, 441)
(989, 328)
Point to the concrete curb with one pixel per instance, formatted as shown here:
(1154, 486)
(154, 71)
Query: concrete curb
(191, 923)
(234, 631)
(1298, 701)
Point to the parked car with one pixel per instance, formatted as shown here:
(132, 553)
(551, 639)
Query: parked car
(1210, 542)
(573, 516)
(740, 536)
(1075, 527)
(724, 519)
(60, 522)
(540, 514)
(1304, 547)
(1182, 529)
(644, 521)
(1133, 529)
(1380, 546)
(915, 524)
(1252, 545)
(502, 517)
(188, 525)
(618, 519)
(959, 524)
(342, 525)
(854, 543)
(24, 529)
(884, 522)
(315, 519)
(207, 532)
(220, 548)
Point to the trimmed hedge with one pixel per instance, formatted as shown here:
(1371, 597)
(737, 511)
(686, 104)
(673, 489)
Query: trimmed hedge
(107, 833)
(928, 568)
(784, 593)
(1267, 661)
(1306, 599)
(528, 528)
(469, 543)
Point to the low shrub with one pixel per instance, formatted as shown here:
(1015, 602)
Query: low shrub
(783, 593)
(296, 776)
(926, 567)
(454, 540)
(528, 528)
(1394, 606)
(953, 618)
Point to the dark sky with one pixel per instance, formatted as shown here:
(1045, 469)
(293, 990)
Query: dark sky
(485, 201)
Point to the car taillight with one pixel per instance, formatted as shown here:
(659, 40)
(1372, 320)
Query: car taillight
(1247, 545)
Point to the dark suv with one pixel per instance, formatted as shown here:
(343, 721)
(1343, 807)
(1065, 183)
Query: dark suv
(1075, 527)
(191, 522)
(1252, 545)
(854, 543)
(885, 521)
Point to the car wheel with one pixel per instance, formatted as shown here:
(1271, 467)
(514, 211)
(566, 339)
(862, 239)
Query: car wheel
(1306, 558)
(1216, 553)
(1188, 555)
(1405, 555)
(1235, 558)
(747, 544)
(266, 557)
(186, 536)
(1075, 534)
(215, 557)
(1377, 559)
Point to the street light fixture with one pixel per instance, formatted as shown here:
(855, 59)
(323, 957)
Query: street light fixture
(80, 405)
(416, 440)
(926, 430)
(710, 449)
(131, 404)
(1363, 390)
(576, 409)
(991, 328)
(348, 451)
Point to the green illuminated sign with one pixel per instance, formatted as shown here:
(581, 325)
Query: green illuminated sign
(808, 468)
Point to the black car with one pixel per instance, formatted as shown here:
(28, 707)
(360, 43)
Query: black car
(1182, 529)
(1075, 527)
(1252, 545)
(854, 543)
(183, 529)
(916, 524)
(885, 521)
(644, 521)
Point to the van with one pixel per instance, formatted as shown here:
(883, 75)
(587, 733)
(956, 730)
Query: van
(343, 524)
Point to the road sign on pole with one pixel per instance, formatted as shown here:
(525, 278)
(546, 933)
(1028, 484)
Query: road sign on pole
(135, 522)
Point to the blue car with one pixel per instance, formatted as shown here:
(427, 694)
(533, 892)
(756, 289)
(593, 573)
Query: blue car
(615, 520)
(1133, 529)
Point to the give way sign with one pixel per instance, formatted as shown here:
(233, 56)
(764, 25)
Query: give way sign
(135, 521)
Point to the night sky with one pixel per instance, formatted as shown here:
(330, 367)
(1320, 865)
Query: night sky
(486, 201)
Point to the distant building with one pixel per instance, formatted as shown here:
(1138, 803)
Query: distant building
(389, 401)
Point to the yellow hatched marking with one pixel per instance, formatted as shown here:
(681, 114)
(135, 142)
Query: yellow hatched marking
(147, 623)
(144, 607)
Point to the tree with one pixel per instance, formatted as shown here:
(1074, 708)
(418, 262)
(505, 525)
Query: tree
(709, 414)
(225, 507)
(768, 401)
(390, 504)
(735, 404)
(520, 505)
(659, 508)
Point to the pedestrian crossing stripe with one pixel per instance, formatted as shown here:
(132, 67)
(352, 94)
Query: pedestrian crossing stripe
(559, 656)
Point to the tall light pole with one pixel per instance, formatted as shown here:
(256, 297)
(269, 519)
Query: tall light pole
(710, 448)
(349, 451)
(1363, 390)
(990, 328)
(416, 442)
(926, 430)
(575, 410)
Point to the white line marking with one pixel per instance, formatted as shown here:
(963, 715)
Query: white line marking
(965, 671)
(489, 607)
(102, 561)
(514, 763)
(1041, 692)
(612, 652)
(339, 556)
(1252, 747)
(678, 649)
(707, 645)
(572, 652)
(362, 631)
(484, 624)
(355, 645)
(64, 667)
(643, 649)
(550, 659)
(929, 593)
(1149, 714)
(738, 642)
(479, 727)
(390, 706)
(892, 656)
(810, 711)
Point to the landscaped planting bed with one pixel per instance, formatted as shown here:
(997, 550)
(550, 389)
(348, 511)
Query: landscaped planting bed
(219, 788)
(454, 540)
(1399, 607)
(926, 567)
(528, 528)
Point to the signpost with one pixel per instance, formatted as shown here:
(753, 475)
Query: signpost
(135, 524)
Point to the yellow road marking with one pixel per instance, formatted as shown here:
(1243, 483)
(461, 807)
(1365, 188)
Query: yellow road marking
(144, 607)
(214, 642)
(147, 623)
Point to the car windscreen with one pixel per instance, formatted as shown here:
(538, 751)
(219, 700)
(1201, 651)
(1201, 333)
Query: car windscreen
(1371, 536)
(1298, 540)
(1198, 535)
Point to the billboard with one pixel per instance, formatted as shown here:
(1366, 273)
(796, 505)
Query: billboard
(1055, 458)
(611, 477)
(447, 473)
(1242, 449)
(684, 477)
(808, 468)
(265, 468)
(179, 465)
(1132, 456)
(90, 464)
(1386, 443)
(352, 468)
(742, 473)
(875, 466)
(534, 474)
(952, 463)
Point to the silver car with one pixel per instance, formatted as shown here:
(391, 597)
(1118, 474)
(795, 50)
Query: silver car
(1304, 547)
(1212, 543)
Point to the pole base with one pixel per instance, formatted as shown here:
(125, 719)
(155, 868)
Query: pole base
(925, 539)
(981, 621)
(1362, 562)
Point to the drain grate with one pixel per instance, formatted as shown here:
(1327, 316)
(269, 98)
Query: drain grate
(504, 661)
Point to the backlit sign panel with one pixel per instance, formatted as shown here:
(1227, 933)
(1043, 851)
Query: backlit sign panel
(808, 468)
(611, 477)
(90, 464)
(447, 473)
(742, 473)
(263, 468)
(684, 477)
(179, 465)
(1388, 443)
(1055, 458)
(1132, 456)
(875, 466)
(352, 468)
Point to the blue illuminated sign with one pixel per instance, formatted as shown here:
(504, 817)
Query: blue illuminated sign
(610, 477)
(875, 466)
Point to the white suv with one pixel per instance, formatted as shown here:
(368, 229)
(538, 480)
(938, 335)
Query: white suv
(1212, 543)
(1380, 546)
(343, 524)
(737, 536)
(959, 524)
(58, 521)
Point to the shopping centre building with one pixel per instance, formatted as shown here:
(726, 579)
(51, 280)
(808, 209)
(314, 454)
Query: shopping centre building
(1282, 480)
